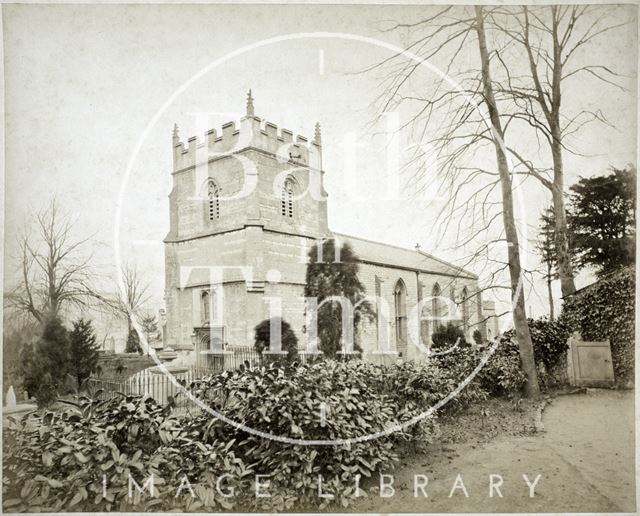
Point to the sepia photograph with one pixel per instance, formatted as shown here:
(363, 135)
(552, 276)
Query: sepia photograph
(307, 257)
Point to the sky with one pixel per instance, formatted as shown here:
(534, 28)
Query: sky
(92, 93)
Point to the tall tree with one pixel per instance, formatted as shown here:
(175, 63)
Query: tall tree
(513, 249)
(83, 351)
(54, 267)
(469, 146)
(334, 272)
(551, 37)
(602, 220)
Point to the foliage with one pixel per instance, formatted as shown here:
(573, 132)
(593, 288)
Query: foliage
(83, 350)
(502, 375)
(602, 220)
(133, 342)
(606, 310)
(56, 461)
(149, 324)
(446, 336)
(288, 339)
(286, 403)
(478, 338)
(332, 270)
(45, 363)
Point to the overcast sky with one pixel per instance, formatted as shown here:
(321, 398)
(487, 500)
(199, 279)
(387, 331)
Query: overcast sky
(82, 84)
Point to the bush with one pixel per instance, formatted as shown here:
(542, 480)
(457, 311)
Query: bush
(133, 342)
(606, 310)
(287, 404)
(549, 340)
(44, 364)
(288, 339)
(447, 336)
(83, 351)
(54, 462)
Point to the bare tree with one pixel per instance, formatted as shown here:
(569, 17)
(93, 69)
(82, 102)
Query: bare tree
(452, 121)
(54, 268)
(132, 294)
(550, 38)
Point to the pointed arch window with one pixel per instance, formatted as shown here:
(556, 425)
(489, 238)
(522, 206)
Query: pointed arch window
(435, 302)
(287, 198)
(205, 306)
(213, 201)
(400, 299)
(465, 309)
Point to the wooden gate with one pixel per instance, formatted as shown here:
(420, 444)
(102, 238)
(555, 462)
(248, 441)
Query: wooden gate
(589, 363)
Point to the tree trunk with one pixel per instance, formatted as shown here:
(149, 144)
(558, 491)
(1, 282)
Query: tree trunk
(515, 272)
(565, 269)
(550, 297)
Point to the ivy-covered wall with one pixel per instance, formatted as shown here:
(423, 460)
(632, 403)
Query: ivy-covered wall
(606, 310)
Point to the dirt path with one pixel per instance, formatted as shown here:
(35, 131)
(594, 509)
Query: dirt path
(585, 459)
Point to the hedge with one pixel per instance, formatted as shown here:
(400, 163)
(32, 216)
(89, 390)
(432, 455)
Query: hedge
(606, 310)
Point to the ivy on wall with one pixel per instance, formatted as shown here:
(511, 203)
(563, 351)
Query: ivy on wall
(606, 310)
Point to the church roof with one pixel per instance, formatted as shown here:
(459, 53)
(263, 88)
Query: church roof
(387, 255)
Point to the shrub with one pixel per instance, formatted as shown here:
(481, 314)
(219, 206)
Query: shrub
(83, 351)
(478, 338)
(54, 462)
(133, 342)
(549, 340)
(44, 364)
(447, 336)
(500, 376)
(287, 404)
(606, 310)
(288, 339)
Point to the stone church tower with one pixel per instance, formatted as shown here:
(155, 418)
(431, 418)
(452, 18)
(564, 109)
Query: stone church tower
(250, 200)
(248, 204)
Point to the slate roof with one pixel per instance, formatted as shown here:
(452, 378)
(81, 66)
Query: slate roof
(387, 255)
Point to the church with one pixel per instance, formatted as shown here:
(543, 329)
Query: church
(246, 206)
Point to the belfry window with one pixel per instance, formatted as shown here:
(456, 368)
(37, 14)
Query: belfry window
(213, 201)
(205, 306)
(287, 198)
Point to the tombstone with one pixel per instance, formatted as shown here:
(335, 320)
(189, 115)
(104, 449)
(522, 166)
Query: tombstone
(10, 400)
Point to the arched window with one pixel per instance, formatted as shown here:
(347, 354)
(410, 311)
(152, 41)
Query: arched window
(205, 306)
(213, 201)
(465, 309)
(435, 302)
(400, 299)
(287, 198)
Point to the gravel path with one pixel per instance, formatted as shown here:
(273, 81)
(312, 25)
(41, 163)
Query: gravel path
(585, 459)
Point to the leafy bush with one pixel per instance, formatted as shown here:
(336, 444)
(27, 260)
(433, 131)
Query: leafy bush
(133, 342)
(44, 364)
(288, 404)
(500, 376)
(288, 339)
(83, 350)
(478, 338)
(448, 336)
(54, 462)
(606, 310)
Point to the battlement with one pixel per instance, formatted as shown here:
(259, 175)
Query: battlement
(249, 132)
